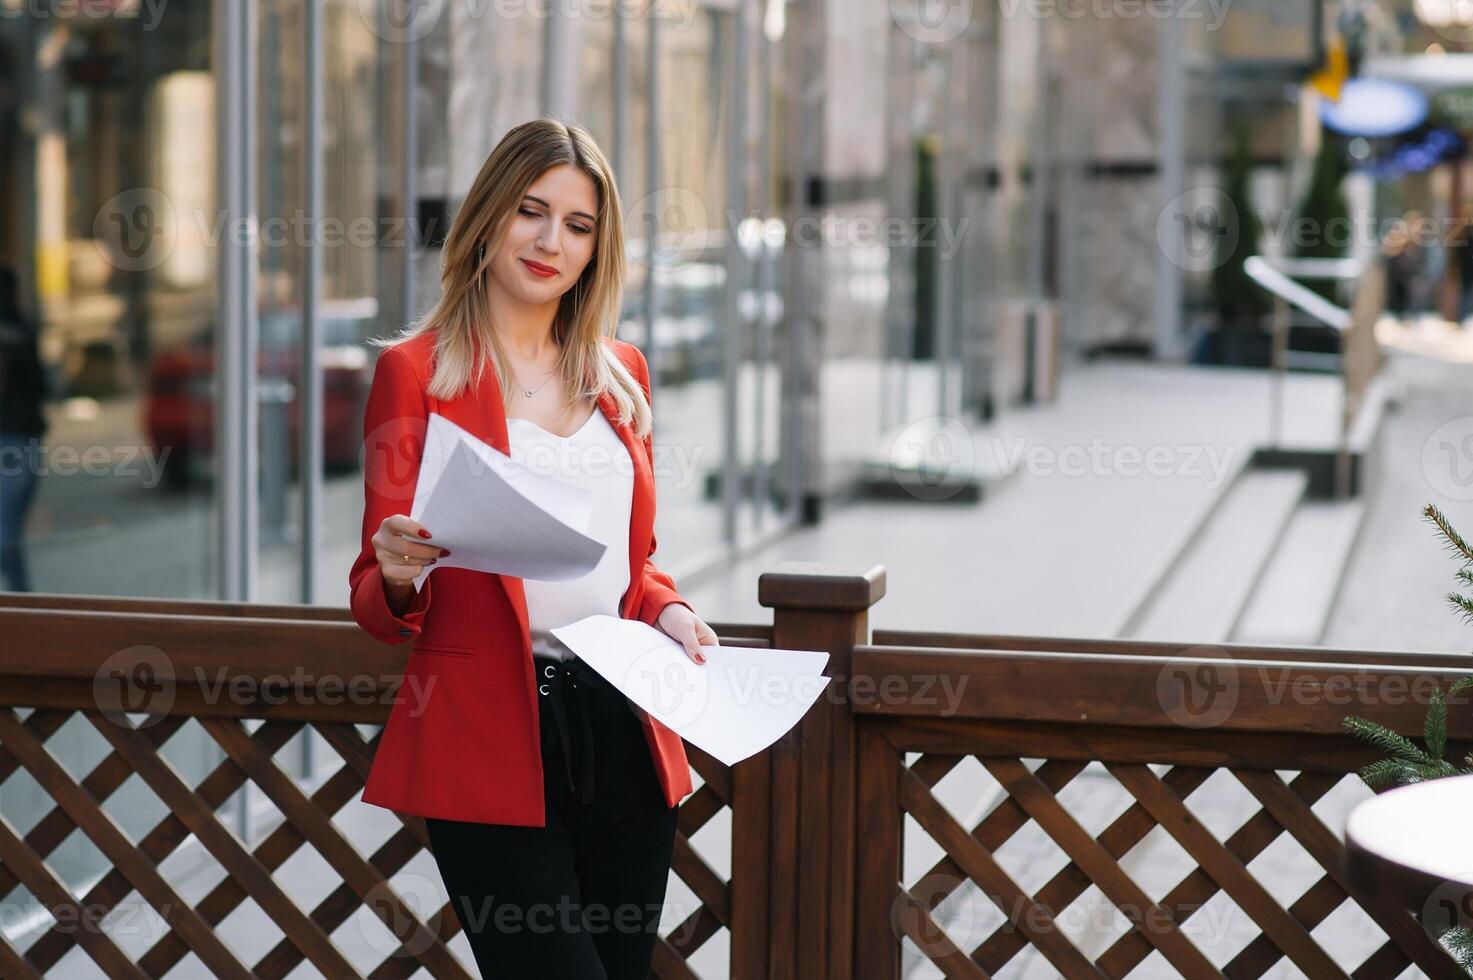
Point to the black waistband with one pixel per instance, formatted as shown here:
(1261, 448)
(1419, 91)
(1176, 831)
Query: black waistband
(558, 680)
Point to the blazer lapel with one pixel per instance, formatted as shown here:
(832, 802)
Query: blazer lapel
(484, 416)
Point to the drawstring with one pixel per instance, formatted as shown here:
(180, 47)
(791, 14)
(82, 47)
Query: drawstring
(554, 678)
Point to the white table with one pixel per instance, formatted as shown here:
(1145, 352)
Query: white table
(1412, 848)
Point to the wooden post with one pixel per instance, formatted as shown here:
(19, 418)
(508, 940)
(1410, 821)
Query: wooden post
(812, 780)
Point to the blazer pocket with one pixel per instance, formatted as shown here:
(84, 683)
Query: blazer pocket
(442, 650)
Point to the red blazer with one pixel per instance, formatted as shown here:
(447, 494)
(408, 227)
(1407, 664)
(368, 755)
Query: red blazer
(462, 740)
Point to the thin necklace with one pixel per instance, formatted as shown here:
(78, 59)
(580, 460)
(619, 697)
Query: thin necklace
(533, 391)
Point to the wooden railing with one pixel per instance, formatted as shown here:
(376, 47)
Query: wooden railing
(824, 881)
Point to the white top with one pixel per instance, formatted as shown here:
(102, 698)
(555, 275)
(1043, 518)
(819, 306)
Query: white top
(593, 457)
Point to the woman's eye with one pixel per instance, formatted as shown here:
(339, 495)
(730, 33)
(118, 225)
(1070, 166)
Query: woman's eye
(526, 212)
(582, 230)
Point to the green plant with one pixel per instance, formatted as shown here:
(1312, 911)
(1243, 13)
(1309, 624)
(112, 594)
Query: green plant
(1322, 229)
(1409, 762)
(1240, 302)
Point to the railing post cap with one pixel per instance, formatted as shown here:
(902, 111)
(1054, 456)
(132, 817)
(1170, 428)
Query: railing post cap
(821, 585)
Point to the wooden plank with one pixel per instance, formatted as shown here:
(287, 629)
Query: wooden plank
(707, 885)
(341, 902)
(1305, 827)
(200, 818)
(165, 837)
(1153, 921)
(1227, 870)
(114, 844)
(1194, 891)
(878, 863)
(992, 831)
(1123, 833)
(1212, 748)
(751, 830)
(1175, 693)
(35, 875)
(371, 887)
(1432, 659)
(1033, 919)
(924, 931)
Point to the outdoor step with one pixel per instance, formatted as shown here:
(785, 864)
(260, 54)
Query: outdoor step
(1291, 603)
(1203, 595)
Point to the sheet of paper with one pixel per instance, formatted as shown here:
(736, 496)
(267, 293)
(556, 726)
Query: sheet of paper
(740, 701)
(496, 515)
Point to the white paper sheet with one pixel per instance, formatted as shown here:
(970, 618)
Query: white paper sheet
(496, 515)
(740, 701)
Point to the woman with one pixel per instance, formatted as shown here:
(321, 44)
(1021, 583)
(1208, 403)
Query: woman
(550, 800)
(23, 391)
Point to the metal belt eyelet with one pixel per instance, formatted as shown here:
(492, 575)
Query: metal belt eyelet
(549, 670)
(542, 688)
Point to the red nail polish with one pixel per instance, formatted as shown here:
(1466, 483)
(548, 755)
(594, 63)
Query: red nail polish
(444, 552)
(700, 658)
(423, 533)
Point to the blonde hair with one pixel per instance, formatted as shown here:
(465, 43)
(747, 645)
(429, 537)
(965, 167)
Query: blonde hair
(465, 340)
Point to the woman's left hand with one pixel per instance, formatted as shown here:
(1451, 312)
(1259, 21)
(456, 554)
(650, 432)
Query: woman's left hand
(679, 623)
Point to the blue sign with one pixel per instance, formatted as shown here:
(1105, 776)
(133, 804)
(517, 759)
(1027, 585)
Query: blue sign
(1374, 107)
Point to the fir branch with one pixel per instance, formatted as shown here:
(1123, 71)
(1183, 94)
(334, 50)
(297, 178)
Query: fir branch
(1383, 774)
(1462, 605)
(1434, 728)
(1459, 942)
(1455, 542)
(1386, 740)
(1465, 575)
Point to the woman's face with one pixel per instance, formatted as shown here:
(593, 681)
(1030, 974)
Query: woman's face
(550, 238)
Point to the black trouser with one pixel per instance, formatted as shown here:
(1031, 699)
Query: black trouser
(579, 898)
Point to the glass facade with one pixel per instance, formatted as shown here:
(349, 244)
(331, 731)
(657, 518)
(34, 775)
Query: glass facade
(787, 338)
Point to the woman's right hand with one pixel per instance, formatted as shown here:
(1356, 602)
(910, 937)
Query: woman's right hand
(400, 549)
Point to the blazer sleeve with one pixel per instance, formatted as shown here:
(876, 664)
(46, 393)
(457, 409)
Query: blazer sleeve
(659, 588)
(394, 424)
